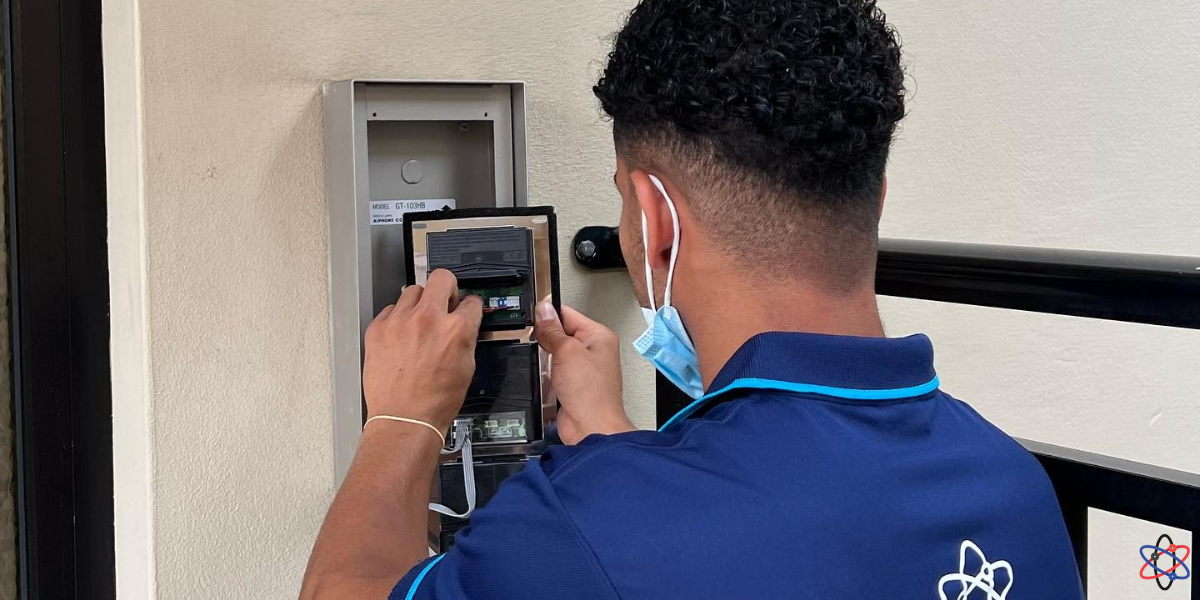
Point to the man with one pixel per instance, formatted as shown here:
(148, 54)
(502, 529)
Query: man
(824, 462)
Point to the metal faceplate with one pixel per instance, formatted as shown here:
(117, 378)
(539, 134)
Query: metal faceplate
(393, 147)
(508, 257)
(501, 342)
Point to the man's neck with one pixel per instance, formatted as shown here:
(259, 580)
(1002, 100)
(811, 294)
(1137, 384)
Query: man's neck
(720, 319)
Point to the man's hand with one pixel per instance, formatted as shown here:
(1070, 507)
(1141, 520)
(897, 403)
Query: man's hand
(586, 373)
(420, 353)
(420, 356)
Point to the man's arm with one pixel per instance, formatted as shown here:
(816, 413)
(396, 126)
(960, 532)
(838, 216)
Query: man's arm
(375, 530)
(420, 356)
(418, 363)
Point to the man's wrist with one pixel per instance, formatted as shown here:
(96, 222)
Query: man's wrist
(394, 455)
(439, 419)
(389, 431)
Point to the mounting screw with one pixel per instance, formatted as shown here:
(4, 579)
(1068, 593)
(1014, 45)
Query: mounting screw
(586, 249)
(598, 248)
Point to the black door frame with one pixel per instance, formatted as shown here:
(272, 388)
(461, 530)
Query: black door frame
(58, 278)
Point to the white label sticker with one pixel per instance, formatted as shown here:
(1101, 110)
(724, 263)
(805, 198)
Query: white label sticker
(391, 212)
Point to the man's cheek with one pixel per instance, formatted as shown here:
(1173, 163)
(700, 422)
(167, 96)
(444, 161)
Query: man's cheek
(637, 274)
(630, 237)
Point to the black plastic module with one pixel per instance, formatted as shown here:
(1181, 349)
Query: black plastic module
(494, 263)
(504, 394)
(488, 477)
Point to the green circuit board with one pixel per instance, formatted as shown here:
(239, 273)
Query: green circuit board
(502, 306)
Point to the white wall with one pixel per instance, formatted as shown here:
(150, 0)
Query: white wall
(1068, 124)
(1032, 123)
(1065, 124)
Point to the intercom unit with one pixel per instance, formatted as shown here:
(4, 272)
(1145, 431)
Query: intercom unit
(396, 147)
(508, 257)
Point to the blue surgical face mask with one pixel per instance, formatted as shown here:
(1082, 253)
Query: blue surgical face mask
(666, 343)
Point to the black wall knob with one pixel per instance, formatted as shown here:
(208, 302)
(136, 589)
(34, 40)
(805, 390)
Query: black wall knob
(598, 248)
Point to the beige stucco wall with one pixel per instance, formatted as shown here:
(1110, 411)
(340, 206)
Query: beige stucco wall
(1030, 124)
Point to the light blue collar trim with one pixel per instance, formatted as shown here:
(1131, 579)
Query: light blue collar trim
(755, 383)
(412, 591)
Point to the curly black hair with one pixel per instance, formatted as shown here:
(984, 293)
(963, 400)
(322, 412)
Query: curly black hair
(801, 96)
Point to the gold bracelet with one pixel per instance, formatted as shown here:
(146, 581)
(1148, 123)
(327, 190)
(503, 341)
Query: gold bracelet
(441, 437)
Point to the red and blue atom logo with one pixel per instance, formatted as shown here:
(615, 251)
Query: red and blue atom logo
(1176, 570)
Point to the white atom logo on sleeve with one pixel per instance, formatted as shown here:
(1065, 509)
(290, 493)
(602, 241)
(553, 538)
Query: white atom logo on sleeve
(983, 582)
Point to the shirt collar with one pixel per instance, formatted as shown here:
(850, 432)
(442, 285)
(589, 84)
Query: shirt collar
(832, 361)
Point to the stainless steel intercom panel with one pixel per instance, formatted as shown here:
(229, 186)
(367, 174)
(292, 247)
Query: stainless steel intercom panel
(393, 148)
(508, 257)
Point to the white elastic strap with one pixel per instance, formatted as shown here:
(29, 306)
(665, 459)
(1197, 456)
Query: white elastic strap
(646, 252)
(674, 244)
(462, 442)
(435, 430)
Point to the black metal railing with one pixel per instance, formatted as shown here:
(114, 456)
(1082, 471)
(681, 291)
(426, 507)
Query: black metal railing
(1136, 288)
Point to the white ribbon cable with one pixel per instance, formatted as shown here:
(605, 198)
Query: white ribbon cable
(462, 442)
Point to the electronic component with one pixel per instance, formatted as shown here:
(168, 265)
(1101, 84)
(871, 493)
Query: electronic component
(504, 394)
(494, 263)
(504, 427)
(501, 306)
(508, 258)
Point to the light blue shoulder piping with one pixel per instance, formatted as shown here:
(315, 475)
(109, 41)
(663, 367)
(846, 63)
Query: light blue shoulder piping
(805, 388)
(412, 590)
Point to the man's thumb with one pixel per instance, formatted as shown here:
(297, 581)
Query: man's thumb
(549, 328)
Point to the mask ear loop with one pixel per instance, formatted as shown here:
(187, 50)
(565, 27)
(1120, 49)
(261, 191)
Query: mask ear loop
(646, 251)
(674, 244)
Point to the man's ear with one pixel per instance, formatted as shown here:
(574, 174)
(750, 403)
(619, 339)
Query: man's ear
(660, 228)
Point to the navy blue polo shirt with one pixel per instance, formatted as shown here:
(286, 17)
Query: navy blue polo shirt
(820, 467)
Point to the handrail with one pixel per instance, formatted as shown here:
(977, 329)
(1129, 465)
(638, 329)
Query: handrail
(1138, 288)
(1084, 480)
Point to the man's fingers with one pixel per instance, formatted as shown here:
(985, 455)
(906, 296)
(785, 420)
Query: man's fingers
(574, 325)
(580, 327)
(383, 314)
(440, 288)
(549, 328)
(470, 308)
(574, 320)
(410, 296)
